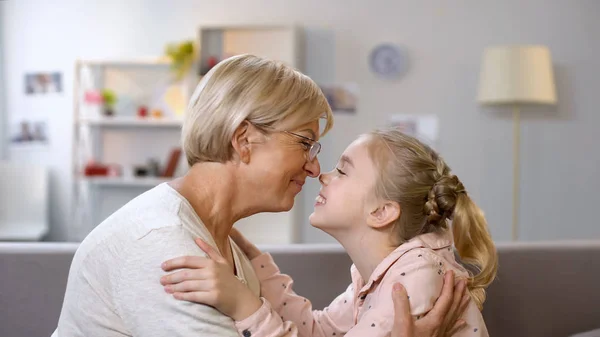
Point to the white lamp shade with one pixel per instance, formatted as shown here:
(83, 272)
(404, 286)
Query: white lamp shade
(516, 74)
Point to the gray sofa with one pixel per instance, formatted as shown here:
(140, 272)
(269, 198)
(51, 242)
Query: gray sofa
(542, 290)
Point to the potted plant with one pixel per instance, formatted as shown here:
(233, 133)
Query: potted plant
(109, 99)
(182, 56)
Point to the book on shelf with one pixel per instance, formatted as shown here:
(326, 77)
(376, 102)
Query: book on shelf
(172, 162)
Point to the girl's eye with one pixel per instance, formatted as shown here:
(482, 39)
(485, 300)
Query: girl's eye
(340, 171)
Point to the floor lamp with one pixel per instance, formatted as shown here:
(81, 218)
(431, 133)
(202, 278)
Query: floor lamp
(514, 76)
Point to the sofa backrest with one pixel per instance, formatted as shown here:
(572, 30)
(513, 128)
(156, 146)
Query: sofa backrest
(33, 278)
(542, 289)
(545, 289)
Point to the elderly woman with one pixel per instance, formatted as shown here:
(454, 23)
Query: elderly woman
(251, 140)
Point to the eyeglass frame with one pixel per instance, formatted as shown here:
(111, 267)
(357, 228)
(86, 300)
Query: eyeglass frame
(312, 153)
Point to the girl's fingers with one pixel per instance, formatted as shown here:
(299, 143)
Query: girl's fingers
(190, 286)
(196, 297)
(210, 251)
(192, 262)
(185, 275)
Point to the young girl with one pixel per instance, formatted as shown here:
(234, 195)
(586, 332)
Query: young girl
(389, 202)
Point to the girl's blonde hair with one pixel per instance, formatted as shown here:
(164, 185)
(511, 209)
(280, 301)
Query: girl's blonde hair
(247, 87)
(416, 177)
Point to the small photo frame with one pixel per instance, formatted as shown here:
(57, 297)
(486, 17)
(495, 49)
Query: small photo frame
(43, 83)
(341, 97)
(29, 132)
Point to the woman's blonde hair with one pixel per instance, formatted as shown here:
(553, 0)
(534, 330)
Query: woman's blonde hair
(247, 87)
(415, 176)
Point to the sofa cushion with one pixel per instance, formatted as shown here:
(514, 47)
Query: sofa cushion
(593, 333)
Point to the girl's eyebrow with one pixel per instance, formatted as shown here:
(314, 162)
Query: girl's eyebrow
(346, 159)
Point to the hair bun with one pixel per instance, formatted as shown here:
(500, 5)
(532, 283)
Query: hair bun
(441, 200)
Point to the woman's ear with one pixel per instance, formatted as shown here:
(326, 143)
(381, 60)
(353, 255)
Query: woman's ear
(385, 214)
(241, 143)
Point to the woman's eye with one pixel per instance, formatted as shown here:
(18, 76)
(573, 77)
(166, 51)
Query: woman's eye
(306, 145)
(340, 171)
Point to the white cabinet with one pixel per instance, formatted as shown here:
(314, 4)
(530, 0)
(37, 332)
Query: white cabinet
(128, 140)
(124, 140)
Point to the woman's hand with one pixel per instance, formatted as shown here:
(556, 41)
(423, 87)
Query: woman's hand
(246, 246)
(442, 321)
(209, 281)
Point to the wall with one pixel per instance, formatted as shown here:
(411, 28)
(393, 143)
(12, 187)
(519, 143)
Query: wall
(445, 41)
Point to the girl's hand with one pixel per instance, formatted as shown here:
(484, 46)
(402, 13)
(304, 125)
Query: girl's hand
(246, 246)
(209, 281)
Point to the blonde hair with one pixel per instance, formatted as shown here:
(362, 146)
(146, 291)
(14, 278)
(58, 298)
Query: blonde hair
(416, 177)
(247, 87)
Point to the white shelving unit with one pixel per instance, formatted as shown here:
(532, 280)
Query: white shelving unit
(123, 139)
(126, 139)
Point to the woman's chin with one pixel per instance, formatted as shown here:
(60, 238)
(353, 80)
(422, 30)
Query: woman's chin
(285, 203)
(282, 205)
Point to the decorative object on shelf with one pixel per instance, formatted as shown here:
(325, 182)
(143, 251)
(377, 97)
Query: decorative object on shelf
(182, 56)
(140, 171)
(115, 170)
(176, 97)
(93, 169)
(388, 61)
(93, 97)
(142, 111)
(153, 167)
(210, 63)
(172, 162)
(515, 76)
(157, 113)
(109, 99)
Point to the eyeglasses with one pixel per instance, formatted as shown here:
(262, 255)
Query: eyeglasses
(310, 145)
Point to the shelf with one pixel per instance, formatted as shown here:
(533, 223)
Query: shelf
(131, 122)
(144, 62)
(125, 182)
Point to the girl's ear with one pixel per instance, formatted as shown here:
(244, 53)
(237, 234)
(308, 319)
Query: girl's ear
(385, 214)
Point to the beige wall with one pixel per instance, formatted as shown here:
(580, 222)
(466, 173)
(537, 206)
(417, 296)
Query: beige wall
(445, 39)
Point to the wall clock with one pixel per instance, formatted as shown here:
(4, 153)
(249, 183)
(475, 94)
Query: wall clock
(388, 61)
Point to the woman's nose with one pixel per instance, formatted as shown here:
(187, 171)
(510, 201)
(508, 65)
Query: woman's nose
(313, 168)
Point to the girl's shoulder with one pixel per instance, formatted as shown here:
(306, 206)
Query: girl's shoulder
(417, 259)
